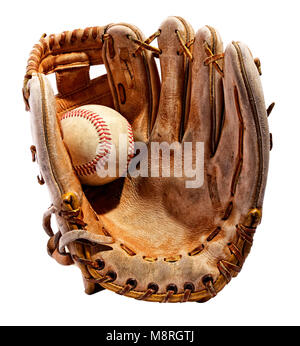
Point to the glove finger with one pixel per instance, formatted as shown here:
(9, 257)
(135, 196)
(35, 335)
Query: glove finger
(132, 76)
(245, 133)
(173, 42)
(206, 110)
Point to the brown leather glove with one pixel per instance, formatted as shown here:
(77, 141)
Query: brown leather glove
(152, 238)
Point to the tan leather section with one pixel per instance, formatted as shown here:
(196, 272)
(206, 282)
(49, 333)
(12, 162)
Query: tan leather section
(87, 40)
(51, 151)
(156, 219)
(245, 132)
(67, 79)
(63, 62)
(183, 269)
(174, 76)
(56, 169)
(206, 108)
(164, 233)
(133, 79)
(96, 92)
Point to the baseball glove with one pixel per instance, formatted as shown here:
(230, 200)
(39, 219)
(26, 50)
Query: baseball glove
(152, 238)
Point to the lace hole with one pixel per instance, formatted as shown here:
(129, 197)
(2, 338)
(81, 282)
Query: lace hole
(189, 286)
(206, 279)
(153, 286)
(100, 264)
(112, 275)
(172, 287)
(131, 282)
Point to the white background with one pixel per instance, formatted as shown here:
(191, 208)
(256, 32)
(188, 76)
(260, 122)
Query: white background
(34, 289)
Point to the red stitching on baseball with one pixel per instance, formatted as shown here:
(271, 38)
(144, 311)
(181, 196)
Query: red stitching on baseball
(131, 144)
(105, 141)
(104, 135)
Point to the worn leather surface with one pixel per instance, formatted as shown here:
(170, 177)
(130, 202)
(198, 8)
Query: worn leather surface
(163, 232)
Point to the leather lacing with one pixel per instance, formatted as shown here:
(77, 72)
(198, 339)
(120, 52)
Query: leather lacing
(270, 108)
(146, 44)
(97, 265)
(186, 49)
(46, 45)
(130, 285)
(52, 43)
(213, 59)
(189, 288)
(151, 289)
(40, 178)
(170, 291)
(246, 233)
(185, 46)
(226, 268)
(110, 276)
(207, 281)
(58, 241)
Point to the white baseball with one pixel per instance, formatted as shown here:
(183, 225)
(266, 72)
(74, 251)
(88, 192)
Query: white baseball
(91, 133)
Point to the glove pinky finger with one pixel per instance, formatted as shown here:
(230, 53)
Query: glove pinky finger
(245, 132)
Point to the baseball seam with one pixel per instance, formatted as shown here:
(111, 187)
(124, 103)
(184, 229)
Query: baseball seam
(131, 144)
(105, 140)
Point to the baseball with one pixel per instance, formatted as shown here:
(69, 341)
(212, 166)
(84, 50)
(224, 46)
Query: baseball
(100, 143)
